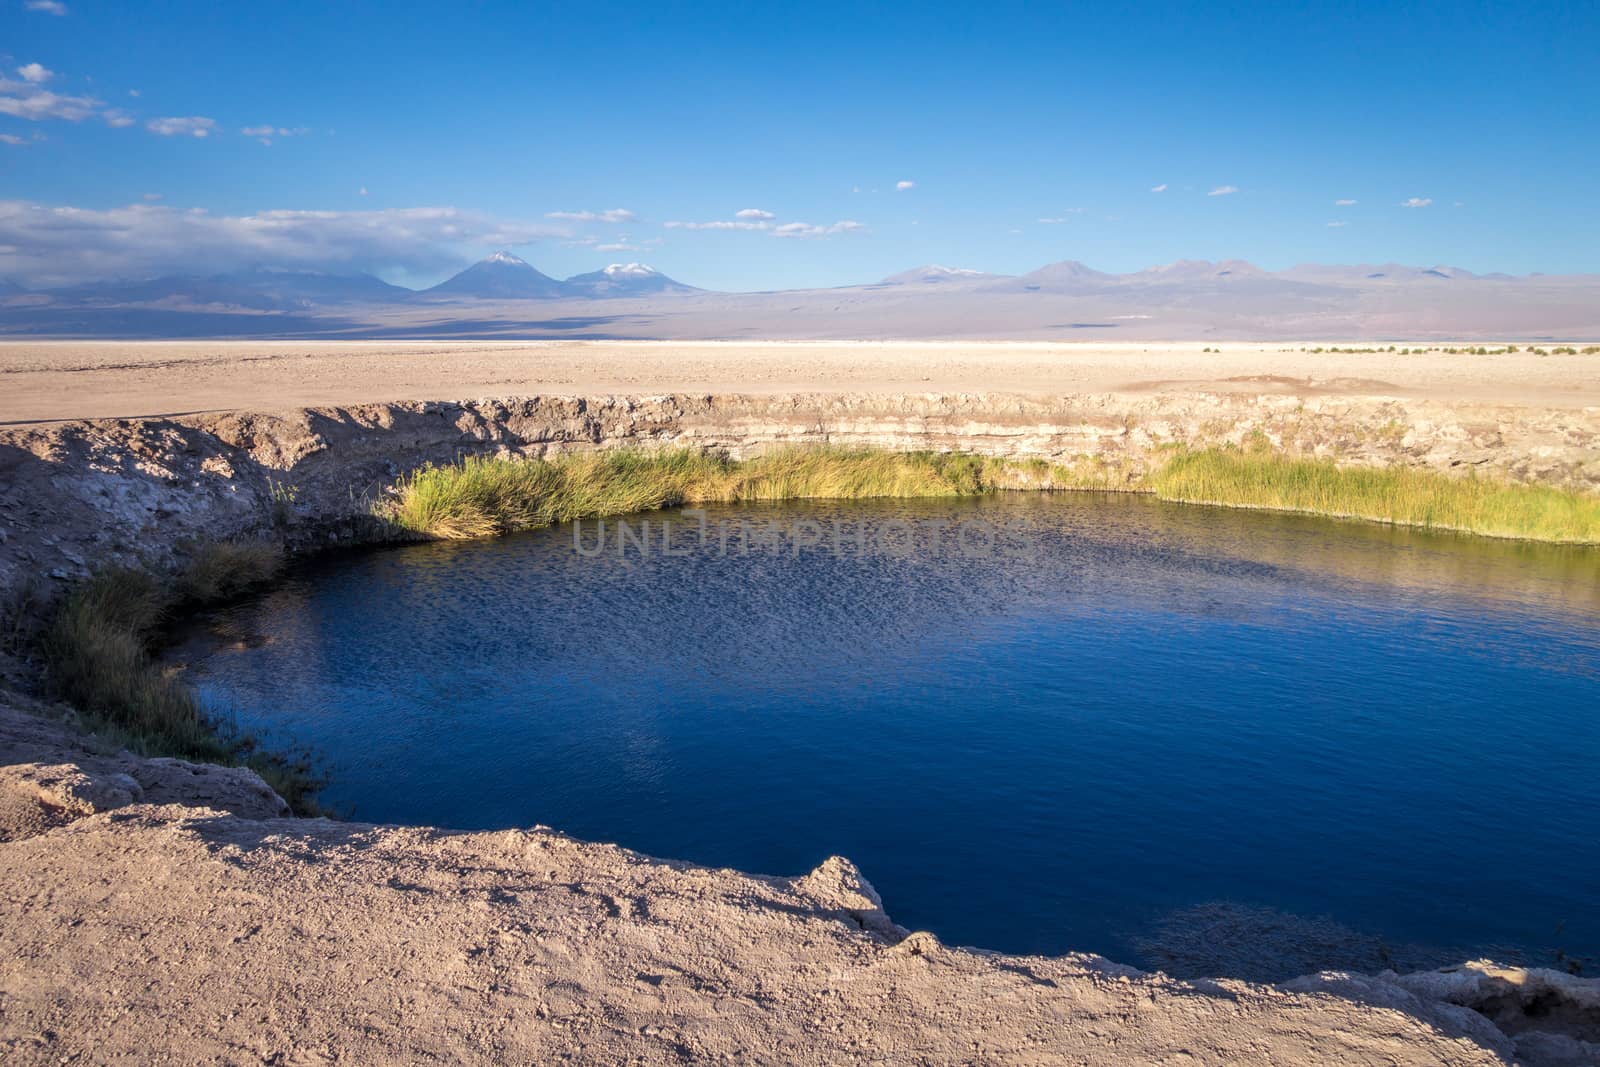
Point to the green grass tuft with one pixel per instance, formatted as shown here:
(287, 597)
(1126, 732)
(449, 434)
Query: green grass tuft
(1399, 495)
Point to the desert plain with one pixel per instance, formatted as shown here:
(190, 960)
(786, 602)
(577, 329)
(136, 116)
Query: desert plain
(42, 381)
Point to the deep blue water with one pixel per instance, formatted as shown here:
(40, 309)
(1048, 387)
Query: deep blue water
(1045, 743)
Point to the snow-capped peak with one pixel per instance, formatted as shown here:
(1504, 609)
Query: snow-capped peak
(630, 270)
(954, 272)
(506, 258)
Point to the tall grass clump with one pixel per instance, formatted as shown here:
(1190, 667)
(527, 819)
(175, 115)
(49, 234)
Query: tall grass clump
(1261, 479)
(481, 496)
(97, 651)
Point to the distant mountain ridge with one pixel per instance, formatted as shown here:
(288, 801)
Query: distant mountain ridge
(503, 295)
(624, 279)
(256, 290)
(501, 276)
(934, 274)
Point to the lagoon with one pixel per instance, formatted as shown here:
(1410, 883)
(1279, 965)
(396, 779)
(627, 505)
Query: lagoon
(1038, 722)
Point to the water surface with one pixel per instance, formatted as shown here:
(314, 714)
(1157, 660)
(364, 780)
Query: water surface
(1037, 722)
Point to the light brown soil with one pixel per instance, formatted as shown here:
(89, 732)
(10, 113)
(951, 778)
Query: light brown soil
(116, 379)
(151, 933)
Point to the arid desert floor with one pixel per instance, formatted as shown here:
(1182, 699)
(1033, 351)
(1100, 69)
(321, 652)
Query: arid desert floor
(54, 380)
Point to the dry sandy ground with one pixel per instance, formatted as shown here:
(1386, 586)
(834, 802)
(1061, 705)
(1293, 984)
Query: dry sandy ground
(43, 381)
(136, 929)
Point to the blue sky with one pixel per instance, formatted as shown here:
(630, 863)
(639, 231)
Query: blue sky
(1002, 115)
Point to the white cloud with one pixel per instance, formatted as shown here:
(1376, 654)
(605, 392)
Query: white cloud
(265, 134)
(1343, 203)
(1159, 188)
(618, 247)
(363, 190)
(614, 215)
(718, 224)
(26, 100)
(117, 119)
(58, 245)
(182, 126)
(1418, 201)
(133, 93)
(49, 7)
(805, 229)
(35, 73)
(1053, 222)
(11, 138)
(768, 226)
(1336, 225)
(1224, 190)
(153, 197)
(902, 186)
(754, 213)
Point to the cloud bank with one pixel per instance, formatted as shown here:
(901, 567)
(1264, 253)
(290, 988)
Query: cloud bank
(182, 126)
(267, 134)
(41, 245)
(756, 220)
(616, 214)
(27, 100)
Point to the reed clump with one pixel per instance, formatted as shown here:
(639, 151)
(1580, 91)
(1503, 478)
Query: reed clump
(1257, 478)
(97, 651)
(483, 496)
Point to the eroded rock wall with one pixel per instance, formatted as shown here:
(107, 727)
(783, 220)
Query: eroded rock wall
(75, 494)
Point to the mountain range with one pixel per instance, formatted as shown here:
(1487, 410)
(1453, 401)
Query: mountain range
(504, 296)
(501, 276)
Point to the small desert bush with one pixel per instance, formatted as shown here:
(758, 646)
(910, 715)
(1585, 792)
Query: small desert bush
(1263, 479)
(222, 570)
